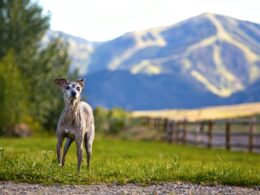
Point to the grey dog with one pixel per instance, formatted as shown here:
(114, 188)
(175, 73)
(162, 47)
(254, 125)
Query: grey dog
(76, 122)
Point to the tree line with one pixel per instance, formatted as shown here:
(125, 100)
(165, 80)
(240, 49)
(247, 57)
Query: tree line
(27, 68)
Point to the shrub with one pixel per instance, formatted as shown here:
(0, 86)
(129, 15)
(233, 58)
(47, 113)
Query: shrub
(101, 119)
(110, 121)
(117, 120)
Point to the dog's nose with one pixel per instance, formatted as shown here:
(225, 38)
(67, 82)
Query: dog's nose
(73, 93)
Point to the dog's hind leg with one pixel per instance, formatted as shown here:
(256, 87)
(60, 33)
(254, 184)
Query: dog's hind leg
(65, 149)
(89, 138)
(79, 143)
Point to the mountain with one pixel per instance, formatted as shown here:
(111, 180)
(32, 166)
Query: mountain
(145, 92)
(206, 60)
(79, 49)
(220, 52)
(251, 94)
(203, 61)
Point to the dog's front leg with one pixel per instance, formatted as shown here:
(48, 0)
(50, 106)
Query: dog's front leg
(65, 149)
(58, 147)
(79, 143)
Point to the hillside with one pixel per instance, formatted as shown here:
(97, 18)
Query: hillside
(79, 49)
(251, 94)
(203, 61)
(140, 91)
(220, 52)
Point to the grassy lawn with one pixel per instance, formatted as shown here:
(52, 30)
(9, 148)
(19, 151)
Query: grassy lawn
(122, 161)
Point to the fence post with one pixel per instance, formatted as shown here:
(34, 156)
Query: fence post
(141, 119)
(152, 122)
(201, 129)
(210, 125)
(157, 123)
(228, 135)
(165, 124)
(251, 134)
(196, 139)
(161, 124)
(144, 121)
(148, 121)
(184, 132)
(170, 130)
(177, 132)
(158, 120)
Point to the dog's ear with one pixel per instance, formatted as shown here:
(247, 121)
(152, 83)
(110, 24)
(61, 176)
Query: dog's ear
(81, 82)
(60, 82)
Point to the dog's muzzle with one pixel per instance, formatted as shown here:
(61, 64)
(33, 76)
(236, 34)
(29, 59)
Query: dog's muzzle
(73, 94)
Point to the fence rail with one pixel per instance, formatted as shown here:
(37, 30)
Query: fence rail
(210, 133)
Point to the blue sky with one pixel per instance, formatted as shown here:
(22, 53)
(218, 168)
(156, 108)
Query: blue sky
(99, 20)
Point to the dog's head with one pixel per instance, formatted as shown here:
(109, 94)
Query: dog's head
(71, 89)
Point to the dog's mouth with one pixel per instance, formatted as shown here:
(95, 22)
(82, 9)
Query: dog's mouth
(72, 100)
(73, 97)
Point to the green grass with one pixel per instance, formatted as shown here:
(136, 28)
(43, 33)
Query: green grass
(122, 161)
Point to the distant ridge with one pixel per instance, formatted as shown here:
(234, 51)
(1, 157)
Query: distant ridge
(218, 51)
(79, 49)
(206, 60)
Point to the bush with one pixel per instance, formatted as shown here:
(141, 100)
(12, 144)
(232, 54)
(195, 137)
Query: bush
(101, 119)
(117, 120)
(110, 121)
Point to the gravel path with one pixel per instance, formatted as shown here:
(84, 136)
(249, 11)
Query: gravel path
(165, 188)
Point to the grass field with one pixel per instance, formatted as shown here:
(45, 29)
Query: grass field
(33, 160)
(212, 113)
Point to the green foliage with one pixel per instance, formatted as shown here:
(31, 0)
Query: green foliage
(117, 120)
(101, 119)
(13, 102)
(110, 121)
(124, 161)
(22, 26)
(51, 62)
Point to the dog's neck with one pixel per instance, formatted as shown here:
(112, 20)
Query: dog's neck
(71, 107)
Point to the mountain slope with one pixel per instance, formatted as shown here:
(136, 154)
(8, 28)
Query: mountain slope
(203, 61)
(141, 92)
(251, 94)
(219, 52)
(79, 49)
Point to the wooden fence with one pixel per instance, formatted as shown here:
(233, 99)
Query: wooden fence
(237, 134)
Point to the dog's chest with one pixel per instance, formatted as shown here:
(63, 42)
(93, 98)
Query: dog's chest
(69, 133)
(70, 129)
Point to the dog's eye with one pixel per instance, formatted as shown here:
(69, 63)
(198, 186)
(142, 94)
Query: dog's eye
(78, 88)
(67, 87)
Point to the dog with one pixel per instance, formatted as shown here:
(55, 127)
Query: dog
(76, 122)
